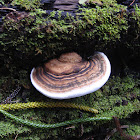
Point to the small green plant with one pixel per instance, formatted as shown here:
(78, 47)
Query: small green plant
(1, 1)
(30, 5)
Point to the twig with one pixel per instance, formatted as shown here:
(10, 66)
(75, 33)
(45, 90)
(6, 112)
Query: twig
(18, 133)
(11, 96)
(5, 8)
(124, 135)
(132, 2)
(114, 131)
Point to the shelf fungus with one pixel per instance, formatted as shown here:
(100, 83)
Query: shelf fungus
(70, 76)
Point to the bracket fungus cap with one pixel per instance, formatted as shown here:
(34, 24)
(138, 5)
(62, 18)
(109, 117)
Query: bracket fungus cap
(70, 76)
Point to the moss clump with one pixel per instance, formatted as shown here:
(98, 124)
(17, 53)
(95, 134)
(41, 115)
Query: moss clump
(30, 5)
(110, 101)
(29, 37)
(133, 32)
(133, 129)
(9, 129)
(101, 24)
(32, 35)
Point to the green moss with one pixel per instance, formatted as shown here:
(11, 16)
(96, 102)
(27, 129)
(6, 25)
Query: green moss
(9, 129)
(104, 24)
(35, 37)
(137, 13)
(35, 34)
(109, 101)
(27, 4)
(134, 129)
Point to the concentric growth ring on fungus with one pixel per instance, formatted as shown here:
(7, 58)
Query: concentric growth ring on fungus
(70, 76)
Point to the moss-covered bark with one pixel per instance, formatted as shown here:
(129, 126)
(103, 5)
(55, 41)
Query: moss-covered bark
(31, 35)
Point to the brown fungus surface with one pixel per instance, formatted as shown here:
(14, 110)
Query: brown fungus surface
(70, 76)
